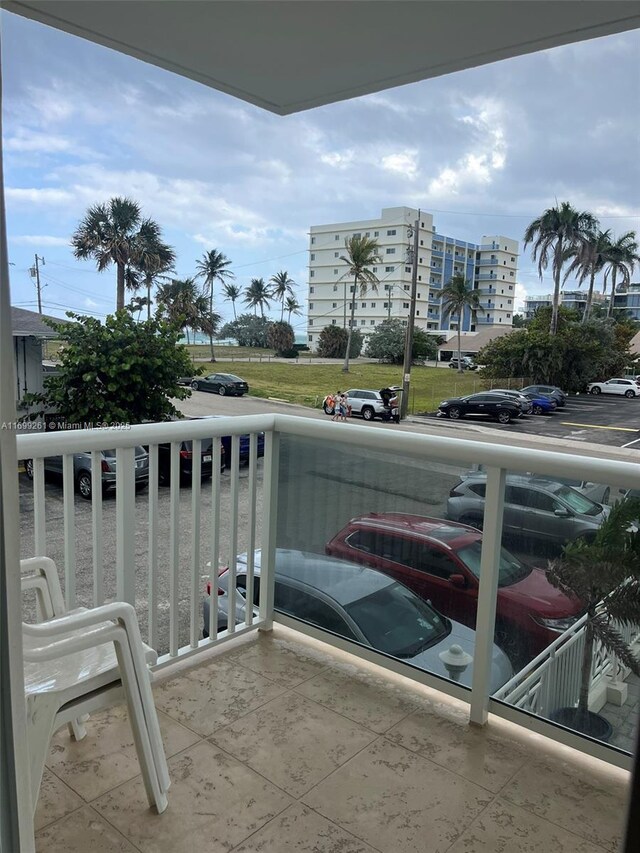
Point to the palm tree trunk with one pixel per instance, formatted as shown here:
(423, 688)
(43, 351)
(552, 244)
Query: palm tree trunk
(459, 341)
(233, 305)
(585, 669)
(345, 366)
(213, 355)
(281, 309)
(556, 288)
(120, 286)
(587, 307)
(613, 292)
(149, 299)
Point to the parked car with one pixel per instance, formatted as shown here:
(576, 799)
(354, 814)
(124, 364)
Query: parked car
(244, 443)
(553, 391)
(598, 492)
(525, 402)
(186, 461)
(466, 362)
(221, 383)
(622, 387)
(541, 404)
(364, 402)
(501, 409)
(538, 510)
(440, 561)
(82, 470)
(360, 604)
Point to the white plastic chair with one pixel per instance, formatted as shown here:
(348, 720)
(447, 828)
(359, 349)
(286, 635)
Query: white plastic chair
(79, 662)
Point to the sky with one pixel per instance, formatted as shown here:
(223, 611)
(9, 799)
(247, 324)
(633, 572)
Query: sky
(485, 150)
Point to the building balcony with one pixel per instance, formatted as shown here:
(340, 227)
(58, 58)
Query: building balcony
(488, 262)
(304, 733)
(437, 253)
(487, 276)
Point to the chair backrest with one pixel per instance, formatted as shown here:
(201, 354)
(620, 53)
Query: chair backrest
(40, 574)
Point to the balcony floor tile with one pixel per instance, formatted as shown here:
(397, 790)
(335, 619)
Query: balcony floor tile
(311, 751)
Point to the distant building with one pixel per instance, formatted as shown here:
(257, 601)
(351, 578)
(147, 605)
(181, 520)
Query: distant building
(471, 343)
(29, 331)
(628, 301)
(575, 299)
(491, 265)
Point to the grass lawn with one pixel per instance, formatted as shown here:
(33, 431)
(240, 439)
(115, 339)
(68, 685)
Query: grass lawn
(308, 384)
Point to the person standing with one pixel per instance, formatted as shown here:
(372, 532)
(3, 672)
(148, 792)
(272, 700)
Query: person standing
(336, 406)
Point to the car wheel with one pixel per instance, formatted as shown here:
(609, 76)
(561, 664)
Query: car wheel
(83, 482)
(595, 391)
(629, 393)
(537, 410)
(222, 390)
(476, 521)
(328, 410)
(455, 413)
(28, 468)
(367, 413)
(195, 386)
(504, 417)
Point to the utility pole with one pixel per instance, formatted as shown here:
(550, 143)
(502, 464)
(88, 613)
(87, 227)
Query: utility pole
(35, 273)
(408, 344)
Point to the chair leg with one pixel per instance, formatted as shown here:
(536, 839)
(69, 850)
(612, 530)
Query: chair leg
(76, 728)
(41, 711)
(140, 723)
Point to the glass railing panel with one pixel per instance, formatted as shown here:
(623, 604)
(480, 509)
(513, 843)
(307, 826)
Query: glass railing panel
(558, 583)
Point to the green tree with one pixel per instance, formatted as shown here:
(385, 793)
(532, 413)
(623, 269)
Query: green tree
(180, 303)
(281, 288)
(621, 257)
(154, 260)
(361, 253)
(119, 371)
(214, 266)
(231, 293)
(587, 260)
(257, 295)
(116, 233)
(604, 574)
(292, 306)
(559, 230)
(280, 337)
(333, 342)
(458, 295)
(387, 342)
(248, 330)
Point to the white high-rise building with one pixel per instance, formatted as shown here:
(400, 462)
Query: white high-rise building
(491, 266)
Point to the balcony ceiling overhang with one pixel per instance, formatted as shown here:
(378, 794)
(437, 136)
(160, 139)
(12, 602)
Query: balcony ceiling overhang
(295, 55)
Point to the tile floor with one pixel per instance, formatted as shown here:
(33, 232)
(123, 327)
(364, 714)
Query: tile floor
(282, 745)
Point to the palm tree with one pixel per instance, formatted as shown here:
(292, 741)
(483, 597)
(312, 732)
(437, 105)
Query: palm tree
(180, 302)
(281, 287)
(361, 253)
(213, 267)
(232, 292)
(154, 260)
(257, 295)
(292, 306)
(622, 256)
(558, 230)
(458, 294)
(588, 260)
(115, 233)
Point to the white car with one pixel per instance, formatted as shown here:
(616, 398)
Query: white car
(623, 387)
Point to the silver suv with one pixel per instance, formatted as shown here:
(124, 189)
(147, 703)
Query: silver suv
(369, 404)
(536, 509)
(82, 470)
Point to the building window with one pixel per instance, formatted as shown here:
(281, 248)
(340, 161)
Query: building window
(391, 232)
(352, 289)
(407, 269)
(422, 242)
(334, 305)
(313, 240)
(386, 305)
(313, 257)
(310, 339)
(351, 306)
(372, 322)
(311, 290)
(375, 269)
(358, 235)
(335, 271)
(419, 297)
(335, 287)
(405, 304)
(336, 254)
(508, 315)
(417, 313)
(375, 233)
(387, 287)
(311, 274)
(363, 322)
(419, 278)
(388, 269)
(420, 260)
(367, 233)
(510, 287)
(363, 305)
(373, 304)
(333, 322)
(407, 287)
(390, 251)
(311, 322)
(513, 260)
(511, 274)
(337, 237)
(311, 306)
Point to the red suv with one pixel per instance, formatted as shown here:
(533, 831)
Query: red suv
(440, 561)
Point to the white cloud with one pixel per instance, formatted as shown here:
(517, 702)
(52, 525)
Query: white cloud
(403, 163)
(38, 196)
(338, 159)
(25, 139)
(39, 240)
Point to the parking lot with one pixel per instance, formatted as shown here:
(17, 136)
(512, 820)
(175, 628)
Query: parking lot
(612, 421)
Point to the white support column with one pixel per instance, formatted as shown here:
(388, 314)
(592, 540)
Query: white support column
(153, 547)
(488, 590)
(96, 528)
(69, 524)
(125, 524)
(16, 816)
(269, 528)
(39, 517)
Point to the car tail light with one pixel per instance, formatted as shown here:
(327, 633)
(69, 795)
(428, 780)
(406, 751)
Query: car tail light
(186, 454)
(220, 591)
(104, 465)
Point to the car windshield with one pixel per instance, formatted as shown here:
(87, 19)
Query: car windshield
(397, 622)
(577, 502)
(511, 570)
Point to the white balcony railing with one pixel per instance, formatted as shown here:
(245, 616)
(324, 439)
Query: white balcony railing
(160, 560)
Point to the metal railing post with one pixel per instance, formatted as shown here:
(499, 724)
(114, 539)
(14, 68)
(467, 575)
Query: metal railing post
(269, 528)
(125, 523)
(487, 592)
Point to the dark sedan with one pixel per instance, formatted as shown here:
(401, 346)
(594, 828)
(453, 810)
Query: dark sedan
(185, 461)
(244, 444)
(552, 391)
(501, 409)
(221, 383)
